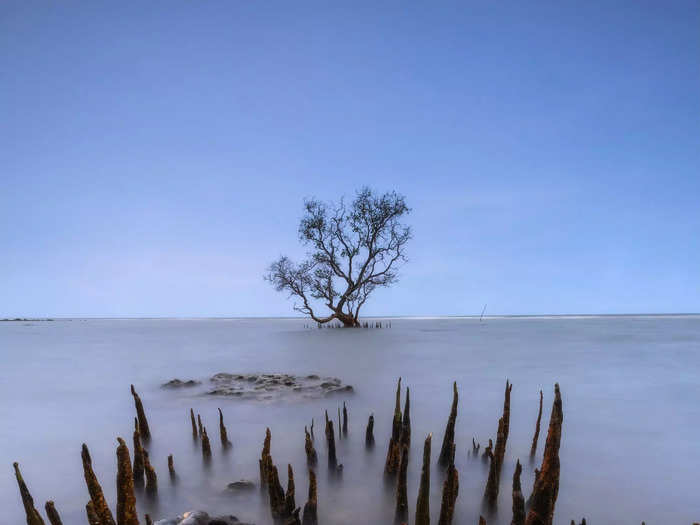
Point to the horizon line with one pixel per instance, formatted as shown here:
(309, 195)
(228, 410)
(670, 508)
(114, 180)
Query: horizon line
(300, 318)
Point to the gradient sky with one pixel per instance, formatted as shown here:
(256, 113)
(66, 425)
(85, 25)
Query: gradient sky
(154, 155)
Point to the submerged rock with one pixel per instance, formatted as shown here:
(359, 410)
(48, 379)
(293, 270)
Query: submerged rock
(177, 383)
(276, 386)
(263, 387)
(242, 485)
(199, 517)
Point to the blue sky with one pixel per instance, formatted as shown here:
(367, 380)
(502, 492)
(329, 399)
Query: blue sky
(154, 156)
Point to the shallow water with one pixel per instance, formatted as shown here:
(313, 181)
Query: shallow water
(630, 388)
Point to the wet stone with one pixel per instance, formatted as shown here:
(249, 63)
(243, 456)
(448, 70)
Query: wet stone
(240, 486)
(198, 517)
(266, 387)
(177, 383)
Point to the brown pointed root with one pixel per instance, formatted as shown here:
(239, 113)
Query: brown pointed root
(499, 451)
(138, 469)
(450, 490)
(311, 506)
(200, 427)
(533, 449)
(340, 426)
(151, 477)
(546, 488)
(475, 448)
(330, 441)
(311, 456)
(449, 438)
(126, 501)
(518, 499)
(488, 452)
(99, 504)
(92, 517)
(52, 513)
(528, 502)
(195, 433)
(482, 521)
(345, 420)
(206, 446)
(393, 455)
(33, 516)
(141, 413)
(401, 513)
(276, 496)
(222, 431)
(289, 497)
(369, 433)
(171, 467)
(396, 423)
(265, 461)
(149, 521)
(405, 438)
(294, 518)
(423, 502)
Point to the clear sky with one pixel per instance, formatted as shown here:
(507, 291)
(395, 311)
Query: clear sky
(154, 155)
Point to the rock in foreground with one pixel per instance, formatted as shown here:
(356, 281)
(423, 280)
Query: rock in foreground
(199, 517)
(241, 486)
(178, 383)
(268, 387)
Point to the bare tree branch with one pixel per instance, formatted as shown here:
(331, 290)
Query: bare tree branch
(354, 248)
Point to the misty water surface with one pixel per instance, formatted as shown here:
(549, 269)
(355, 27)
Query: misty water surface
(630, 386)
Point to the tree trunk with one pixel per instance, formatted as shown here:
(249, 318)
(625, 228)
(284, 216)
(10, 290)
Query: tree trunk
(347, 320)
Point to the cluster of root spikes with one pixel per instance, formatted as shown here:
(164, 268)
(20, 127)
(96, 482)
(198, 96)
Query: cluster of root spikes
(538, 509)
(364, 324)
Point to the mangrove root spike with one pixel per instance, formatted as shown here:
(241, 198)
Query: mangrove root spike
(52, 513)
(126, 501)
(423, 502)
(546, 487)
(97, 498)
(140, 412)
(33, 516)
(449, 438)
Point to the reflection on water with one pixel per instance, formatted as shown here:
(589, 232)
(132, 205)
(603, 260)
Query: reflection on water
(630, 388)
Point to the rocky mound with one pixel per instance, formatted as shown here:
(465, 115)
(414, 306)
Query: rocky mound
(266, 387)
(199, 517)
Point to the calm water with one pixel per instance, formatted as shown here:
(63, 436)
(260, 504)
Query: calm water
(630, 386)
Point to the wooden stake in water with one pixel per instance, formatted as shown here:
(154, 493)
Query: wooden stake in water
(533, 449)
(423, 503)
(310, 508)
(311, 456)
(138, 469)
(52, 513)
(91, 514)
(225, 443)
(141, 413)
(369, 433)
(401, 513)
(518, 500)
(546, 488)
(126, 501)
(194, 425)
(449, 438)
(171, 468)
(33, 516)
(99, 504)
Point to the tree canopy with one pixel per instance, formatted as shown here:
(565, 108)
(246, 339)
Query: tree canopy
(353, 250)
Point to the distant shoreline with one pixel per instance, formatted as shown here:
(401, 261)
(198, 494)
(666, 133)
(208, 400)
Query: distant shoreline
(395, 317)
(27, 319)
